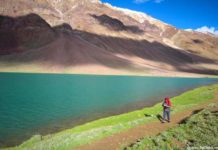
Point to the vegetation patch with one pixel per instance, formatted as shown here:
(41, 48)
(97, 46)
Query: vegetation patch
(200, 131)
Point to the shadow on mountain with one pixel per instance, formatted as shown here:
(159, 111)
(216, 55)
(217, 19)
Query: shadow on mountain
(30, 39)
(199, 71)
(64, 28)
(197, 41)
(23, 33)
(115, 24)
(146, 50)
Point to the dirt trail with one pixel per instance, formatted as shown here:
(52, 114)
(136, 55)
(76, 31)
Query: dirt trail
(130, 136)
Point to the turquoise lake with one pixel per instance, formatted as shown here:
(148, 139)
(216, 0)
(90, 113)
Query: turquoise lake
(44, 103)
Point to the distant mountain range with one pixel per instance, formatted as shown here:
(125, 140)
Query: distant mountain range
(91, 37)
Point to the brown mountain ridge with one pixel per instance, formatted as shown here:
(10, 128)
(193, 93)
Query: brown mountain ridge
(91, 37)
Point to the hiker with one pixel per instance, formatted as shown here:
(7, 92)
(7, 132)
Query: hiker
(166, 109)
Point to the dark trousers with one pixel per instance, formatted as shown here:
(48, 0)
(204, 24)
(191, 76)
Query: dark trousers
(166, 113)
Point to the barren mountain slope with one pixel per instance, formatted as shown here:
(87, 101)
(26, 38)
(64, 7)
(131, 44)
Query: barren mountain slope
(88, 36)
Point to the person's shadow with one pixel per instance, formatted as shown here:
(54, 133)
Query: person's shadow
(159, 117)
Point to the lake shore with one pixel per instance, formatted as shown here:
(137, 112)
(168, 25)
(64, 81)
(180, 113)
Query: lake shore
(99, 129)
(104, 72)
(47, 107)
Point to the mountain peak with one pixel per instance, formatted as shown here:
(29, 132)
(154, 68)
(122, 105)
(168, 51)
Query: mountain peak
(140, 17)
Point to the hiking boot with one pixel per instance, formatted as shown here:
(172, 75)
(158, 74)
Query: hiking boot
(163, 121)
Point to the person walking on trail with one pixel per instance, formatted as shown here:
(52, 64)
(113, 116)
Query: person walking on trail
(166, 109)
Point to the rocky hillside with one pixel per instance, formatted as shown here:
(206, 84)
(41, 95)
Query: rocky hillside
(92, 37)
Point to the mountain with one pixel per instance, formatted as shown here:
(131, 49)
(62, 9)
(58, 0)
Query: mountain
(91, 37)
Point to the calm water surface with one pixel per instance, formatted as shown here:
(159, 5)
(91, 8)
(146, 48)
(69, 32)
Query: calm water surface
(43, 103)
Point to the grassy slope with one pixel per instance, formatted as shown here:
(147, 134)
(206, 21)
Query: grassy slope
(92, 131)
(198, 131)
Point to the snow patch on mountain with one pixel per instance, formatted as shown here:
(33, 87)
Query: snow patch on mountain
(141, 17)
(208, 30)
(205, 30)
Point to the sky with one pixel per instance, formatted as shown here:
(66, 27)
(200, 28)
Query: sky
(200, 15)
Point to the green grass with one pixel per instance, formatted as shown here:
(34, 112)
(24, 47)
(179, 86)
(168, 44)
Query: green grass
(198, 131)
(89, 132)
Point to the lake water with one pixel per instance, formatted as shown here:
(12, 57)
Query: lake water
(43, 103)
